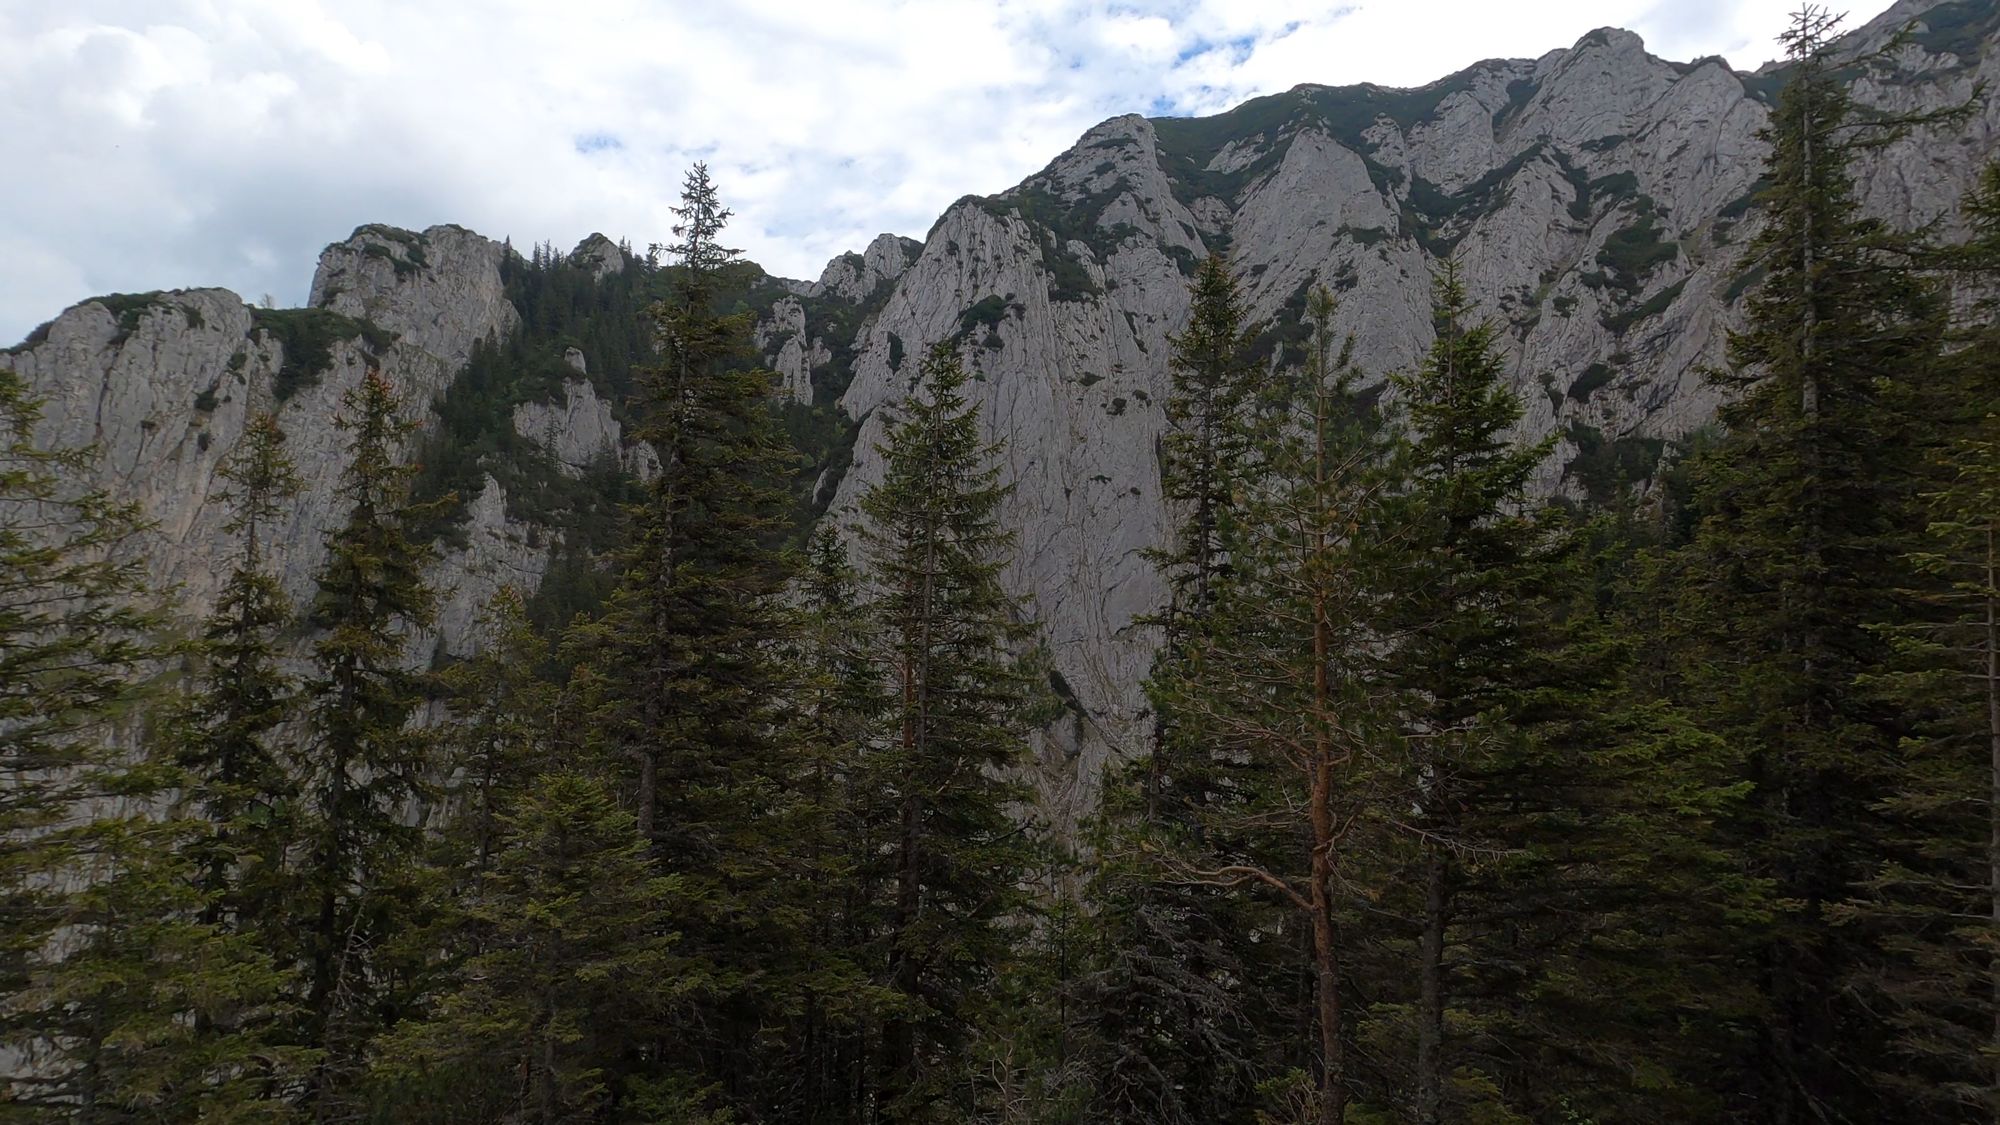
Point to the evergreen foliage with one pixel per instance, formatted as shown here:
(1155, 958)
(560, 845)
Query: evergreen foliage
(1474, 564)
(1206, 451)
(367, 771)
(306, 338)
(1285, 679)
(119, 999)
(499, 730)
(934, 550)
(1804, 512)
(570, 965)
(687, 684)
(697, 596)
(1936, 893)
(227, 738)
(73, 642)
(1164, 999)
(1672, 803)
(838, 825)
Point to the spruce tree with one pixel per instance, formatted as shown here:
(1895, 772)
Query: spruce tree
(934, 554)
(1206, 472)
(1936, 894)
(572, 964)
(1209, 443)
(368, 772)
(498, 730)
(1287, 679)
(1594, 970)
(839, 819)
(123, 1003)
(71, 640)
(1025, 1056)
(1473, 561)
(1167, 1019)
(141, 1011)
(1159, 1004)
(227, 738)
(698, 599)
(686, 670)
(1804, 512)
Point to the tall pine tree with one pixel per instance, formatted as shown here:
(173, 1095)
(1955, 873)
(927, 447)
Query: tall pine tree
(123, 1001)
(934, 551)
(1804, 512)
(1165, 999)
(369, 772)
(499, 729)
(1475, 558)
(840, 819)
(1287, 679)
(227, 739)
(571, 966)
(687, 670)
(1936, 895)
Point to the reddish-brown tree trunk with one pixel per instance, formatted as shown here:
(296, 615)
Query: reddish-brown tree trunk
(1326, 962)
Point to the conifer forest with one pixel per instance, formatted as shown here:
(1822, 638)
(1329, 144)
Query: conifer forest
(1456, 803)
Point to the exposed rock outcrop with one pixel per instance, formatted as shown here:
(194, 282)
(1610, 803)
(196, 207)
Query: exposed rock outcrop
(603, 256)
(789, 351)
(1596, 199)
(579, 432)
(162, 384)
(855, 276)
(439, 291)
(498, 552)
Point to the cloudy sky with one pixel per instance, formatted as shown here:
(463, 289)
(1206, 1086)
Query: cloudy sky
(169, 143)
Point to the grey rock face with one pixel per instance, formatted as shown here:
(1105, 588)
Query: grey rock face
(578, 432)
(603, 256)
(1595, 200)
(439, 291)
(499, 553)
(855, 276)
(788, 350)
(163, 388)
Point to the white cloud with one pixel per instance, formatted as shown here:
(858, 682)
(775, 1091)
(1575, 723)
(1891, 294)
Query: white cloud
(171, 143)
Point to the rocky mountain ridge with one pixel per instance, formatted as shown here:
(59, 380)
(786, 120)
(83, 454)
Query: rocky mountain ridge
(161, 385)
(1596, 198)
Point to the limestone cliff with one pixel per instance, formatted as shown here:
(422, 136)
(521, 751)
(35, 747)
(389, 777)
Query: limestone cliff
(161, 385)
(1597, 198)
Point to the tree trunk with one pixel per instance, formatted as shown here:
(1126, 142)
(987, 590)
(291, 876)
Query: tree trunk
(1326, 963)
(1333, 1077)
(551, 1111)
(899, 1043)
(1993, 797)
(1157, 769)
(899, 1037)
(92, 1075)
(326, 937)
(1430, 1005)
(1808, 258)
(649, 787)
